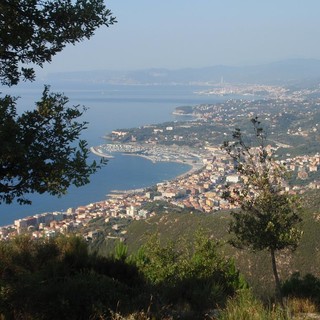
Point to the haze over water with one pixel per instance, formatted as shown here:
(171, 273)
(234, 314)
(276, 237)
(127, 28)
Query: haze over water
(110, 108)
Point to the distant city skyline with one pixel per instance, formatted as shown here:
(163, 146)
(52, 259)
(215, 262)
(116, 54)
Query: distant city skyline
(189, 34)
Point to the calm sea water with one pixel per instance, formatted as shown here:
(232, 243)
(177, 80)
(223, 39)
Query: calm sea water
(111, 107)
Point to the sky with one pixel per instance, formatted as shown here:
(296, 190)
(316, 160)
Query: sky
(177, 34)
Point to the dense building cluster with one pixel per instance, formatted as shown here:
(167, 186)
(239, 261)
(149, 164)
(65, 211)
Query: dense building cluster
(201, 189)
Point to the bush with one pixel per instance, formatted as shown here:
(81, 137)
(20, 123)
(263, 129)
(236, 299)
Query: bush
(307, 287)
(192, 277)
(59, 279)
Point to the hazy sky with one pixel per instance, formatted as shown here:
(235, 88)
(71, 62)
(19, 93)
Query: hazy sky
(183, 33)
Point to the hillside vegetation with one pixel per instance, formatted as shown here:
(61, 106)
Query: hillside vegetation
(255, 266)
(167, 270)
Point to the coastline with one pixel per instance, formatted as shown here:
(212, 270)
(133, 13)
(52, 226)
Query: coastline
(109, 194)
(194, 166)
(100, 153)
(139, 155)
(127, 107)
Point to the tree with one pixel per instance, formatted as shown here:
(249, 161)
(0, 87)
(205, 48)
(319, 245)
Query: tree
(33, 31)
(269, 217)
(38, 147)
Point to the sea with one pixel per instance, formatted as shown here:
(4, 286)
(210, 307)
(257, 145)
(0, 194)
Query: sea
(109, 107)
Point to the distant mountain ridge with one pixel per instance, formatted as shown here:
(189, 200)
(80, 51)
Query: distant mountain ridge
(282, 72)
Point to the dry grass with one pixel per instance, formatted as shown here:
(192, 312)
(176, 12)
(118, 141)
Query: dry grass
(134, 316)
(299, 305)
(246, 307)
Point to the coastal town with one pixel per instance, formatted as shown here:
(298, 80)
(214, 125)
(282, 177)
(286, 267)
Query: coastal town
(291, 118)
(200, 189)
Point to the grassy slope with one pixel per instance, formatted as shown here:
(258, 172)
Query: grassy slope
(255, 266)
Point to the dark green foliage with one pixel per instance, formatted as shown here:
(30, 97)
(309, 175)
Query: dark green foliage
(307, 286)
(58, 279)
(39, 151)
(32, 32)
(269, 224)
(190, 276)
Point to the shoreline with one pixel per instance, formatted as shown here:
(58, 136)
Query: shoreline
(139, 155)
(99, 153)
(194, 166)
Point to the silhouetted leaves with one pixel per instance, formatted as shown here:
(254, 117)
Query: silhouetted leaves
(39, 151)
(32, 32)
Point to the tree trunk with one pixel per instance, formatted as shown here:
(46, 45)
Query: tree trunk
(276, 277)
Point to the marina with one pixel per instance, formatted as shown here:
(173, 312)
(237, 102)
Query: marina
(141, 105)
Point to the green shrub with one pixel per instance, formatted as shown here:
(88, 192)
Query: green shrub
(191, 276)
(307, 287)
(59, 279)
